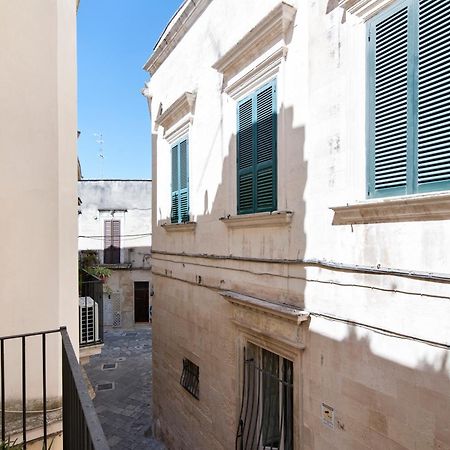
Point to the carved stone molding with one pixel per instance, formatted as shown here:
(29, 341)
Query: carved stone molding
(365, 9)
(426, 207)
(263, 72)
(264, 322)
(285, 311)
(273, 27)
(181, 108)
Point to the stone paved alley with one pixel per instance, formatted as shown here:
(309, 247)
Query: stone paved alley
(125, 410)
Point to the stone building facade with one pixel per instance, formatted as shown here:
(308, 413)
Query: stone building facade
(115, 224)
(300, 219)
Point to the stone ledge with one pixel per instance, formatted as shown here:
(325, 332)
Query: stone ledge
(427, 207)
(276, 309)
(188, 226)
(267, 219)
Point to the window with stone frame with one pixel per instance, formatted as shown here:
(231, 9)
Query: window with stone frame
(266, 417)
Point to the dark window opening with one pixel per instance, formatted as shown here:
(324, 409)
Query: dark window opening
(111, 253)
(190, 377)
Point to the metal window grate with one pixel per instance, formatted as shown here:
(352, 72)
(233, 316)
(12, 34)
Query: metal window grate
(190, 377)
(266, 416)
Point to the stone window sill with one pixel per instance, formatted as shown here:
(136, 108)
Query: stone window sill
(179, 227)
(264, 219)
(410, 208)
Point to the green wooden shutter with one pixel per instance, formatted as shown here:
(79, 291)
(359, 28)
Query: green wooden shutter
(184, 181)
(257, 151)
(245, 163)
(389, 90)
(175, 216)
(266, 149)
(433, 153)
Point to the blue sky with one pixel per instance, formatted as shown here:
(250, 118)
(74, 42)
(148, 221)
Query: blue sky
(115, 38)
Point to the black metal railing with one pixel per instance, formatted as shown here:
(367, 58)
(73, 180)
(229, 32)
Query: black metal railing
(81, 427)
(90, 309)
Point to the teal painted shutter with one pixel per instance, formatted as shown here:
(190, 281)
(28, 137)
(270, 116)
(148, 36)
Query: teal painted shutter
(433, 154)
(175, 186)
(389, 89)
(184, 182)
(266, 149)
(257, 151)
(245, 145)
(180, 183)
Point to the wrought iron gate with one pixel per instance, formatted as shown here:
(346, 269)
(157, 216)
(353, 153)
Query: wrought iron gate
(266, 416)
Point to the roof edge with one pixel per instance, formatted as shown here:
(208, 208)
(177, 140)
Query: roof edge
(175, 30)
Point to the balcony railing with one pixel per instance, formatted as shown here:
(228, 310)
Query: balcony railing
(81, 428)
(90, 310)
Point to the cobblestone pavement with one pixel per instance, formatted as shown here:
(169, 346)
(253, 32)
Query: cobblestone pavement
(125, 410)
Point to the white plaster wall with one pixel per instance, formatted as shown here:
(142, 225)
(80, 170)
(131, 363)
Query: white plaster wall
(321, 163)
(132, 200)
(38, 172)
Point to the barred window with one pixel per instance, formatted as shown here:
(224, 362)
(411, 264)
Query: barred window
(190, 377)
(266, 419)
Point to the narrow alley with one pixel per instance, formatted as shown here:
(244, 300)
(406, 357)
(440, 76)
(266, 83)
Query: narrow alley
(122, 378)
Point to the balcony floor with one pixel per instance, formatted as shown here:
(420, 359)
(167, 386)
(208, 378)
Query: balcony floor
(125, 411)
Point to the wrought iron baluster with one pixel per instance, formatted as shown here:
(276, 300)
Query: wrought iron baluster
(44, 387)
(2, 374)
(24, 395)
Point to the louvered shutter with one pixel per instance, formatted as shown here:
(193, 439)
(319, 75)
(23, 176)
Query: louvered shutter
(433, 152)
(390, 90)
(180, 182)
(256, 151)
(115, 239)
(266, 133)
(107, 236)
(175, 186)
(245, 145)
(184, 182)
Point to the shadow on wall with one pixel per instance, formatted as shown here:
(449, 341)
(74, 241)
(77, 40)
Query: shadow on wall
(378, 403)
(288, 242)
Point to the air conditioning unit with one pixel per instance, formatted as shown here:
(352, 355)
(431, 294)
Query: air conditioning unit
(88, 320)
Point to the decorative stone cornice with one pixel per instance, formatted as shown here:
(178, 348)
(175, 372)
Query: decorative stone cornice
(264, 71)
(426, 207)
(365, 9)
(281, 310)
(264, 219)
(184, 106)
(274, 26)
(177, 28)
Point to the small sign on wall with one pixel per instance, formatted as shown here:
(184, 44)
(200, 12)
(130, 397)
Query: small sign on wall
(327, 415)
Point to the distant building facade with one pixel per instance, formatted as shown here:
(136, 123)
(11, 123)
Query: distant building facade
(301, 225)
(115, 225)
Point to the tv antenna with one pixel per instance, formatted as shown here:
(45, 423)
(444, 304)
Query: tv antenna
(99, 140)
